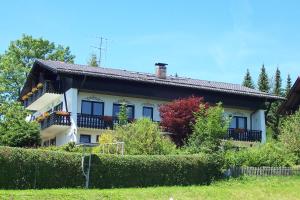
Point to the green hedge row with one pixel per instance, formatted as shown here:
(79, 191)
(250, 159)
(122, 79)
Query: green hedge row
(29, 168)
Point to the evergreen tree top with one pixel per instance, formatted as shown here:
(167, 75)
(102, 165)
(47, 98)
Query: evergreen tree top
(248, 80)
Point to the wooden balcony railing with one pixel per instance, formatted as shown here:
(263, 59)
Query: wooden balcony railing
(48, 87)
(55, 119)
(97, 122)
(244, 135)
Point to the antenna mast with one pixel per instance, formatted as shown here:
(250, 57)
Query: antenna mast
(100, 48)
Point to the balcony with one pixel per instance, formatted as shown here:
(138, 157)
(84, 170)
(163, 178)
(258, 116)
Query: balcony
(97, 122)
(40, 96)
(55, 123)
(244, 135)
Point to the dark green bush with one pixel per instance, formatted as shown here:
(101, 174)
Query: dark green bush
(31, 168)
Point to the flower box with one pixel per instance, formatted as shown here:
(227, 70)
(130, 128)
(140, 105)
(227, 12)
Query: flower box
(62, 113)
(29, 94)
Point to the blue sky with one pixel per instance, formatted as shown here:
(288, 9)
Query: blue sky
(210, 40)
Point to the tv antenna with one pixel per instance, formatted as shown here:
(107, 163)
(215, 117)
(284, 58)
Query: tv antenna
(100, 48)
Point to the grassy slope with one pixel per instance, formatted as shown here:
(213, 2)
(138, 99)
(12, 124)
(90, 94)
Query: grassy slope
(248, 188)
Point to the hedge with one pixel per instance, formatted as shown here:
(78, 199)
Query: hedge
(31, 168)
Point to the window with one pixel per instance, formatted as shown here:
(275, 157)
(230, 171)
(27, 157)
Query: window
(92, 108)
(129, 110)
(239, 122)
(148, 112)
(85, 139)
(58, 107)
(97, 138)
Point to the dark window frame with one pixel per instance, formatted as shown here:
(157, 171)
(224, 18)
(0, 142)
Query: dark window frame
(237, 121)
(92, 107)
(152, 110)
(85, 135)
(118, 104)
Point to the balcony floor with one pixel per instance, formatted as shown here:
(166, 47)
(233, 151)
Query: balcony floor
(54, 130)
(45, 99)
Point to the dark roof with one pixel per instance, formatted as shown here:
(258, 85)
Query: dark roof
(62, 67)
(292, 102)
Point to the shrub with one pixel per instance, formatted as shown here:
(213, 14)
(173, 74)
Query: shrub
(143, 137)
(69, 147)
(210, 127)
(290, 134)
(270, 154)
(30, 168)
(15, 130)
(177, 117)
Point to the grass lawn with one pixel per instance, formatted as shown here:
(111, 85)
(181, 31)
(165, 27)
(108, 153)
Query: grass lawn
(264, 188)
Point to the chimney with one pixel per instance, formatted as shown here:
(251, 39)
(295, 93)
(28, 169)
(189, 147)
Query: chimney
(161, 70)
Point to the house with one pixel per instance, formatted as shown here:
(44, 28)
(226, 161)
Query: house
(292, 102)
(76, 102)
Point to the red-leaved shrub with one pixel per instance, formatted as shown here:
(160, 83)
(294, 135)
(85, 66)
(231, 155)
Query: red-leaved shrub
(177, 117)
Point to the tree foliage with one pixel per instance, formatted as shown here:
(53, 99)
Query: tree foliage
(93, 61)
(142, 137)
(248, 82)
(177, 117)
(277, 90)
(263, 80)
(122, 116)
(290, 133)
(18, 59)
(210, 127)
(14, 129)
(288, 85)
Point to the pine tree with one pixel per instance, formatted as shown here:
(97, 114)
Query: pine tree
(263, 80)
(93, 61)
(273, 119)
(288, 85)
(278, 83)
(248, 80)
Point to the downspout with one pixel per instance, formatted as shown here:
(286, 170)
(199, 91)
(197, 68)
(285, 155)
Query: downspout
(65, 96)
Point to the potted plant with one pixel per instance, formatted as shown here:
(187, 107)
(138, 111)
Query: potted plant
(25, 97)
(34, 90)
(29, 94)
(39, 86)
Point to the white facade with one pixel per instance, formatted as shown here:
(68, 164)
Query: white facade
(255, 119)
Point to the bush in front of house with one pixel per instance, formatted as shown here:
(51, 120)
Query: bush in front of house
(290, 134)
(177, 117)
(141, 137)
(33, 168)
(210, 127)
(270, 154)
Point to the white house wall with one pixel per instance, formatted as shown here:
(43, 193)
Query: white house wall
(109, 100)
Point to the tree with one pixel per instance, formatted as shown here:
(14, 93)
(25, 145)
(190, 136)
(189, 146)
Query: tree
(210, 127)
(177, 117)
(93, 61)
(273, 118)
(123, 118)
(289, 133)
(15, 130)
(248, 80)
(278, 83)
(263, 80)
(288, 85)
(18, 59)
